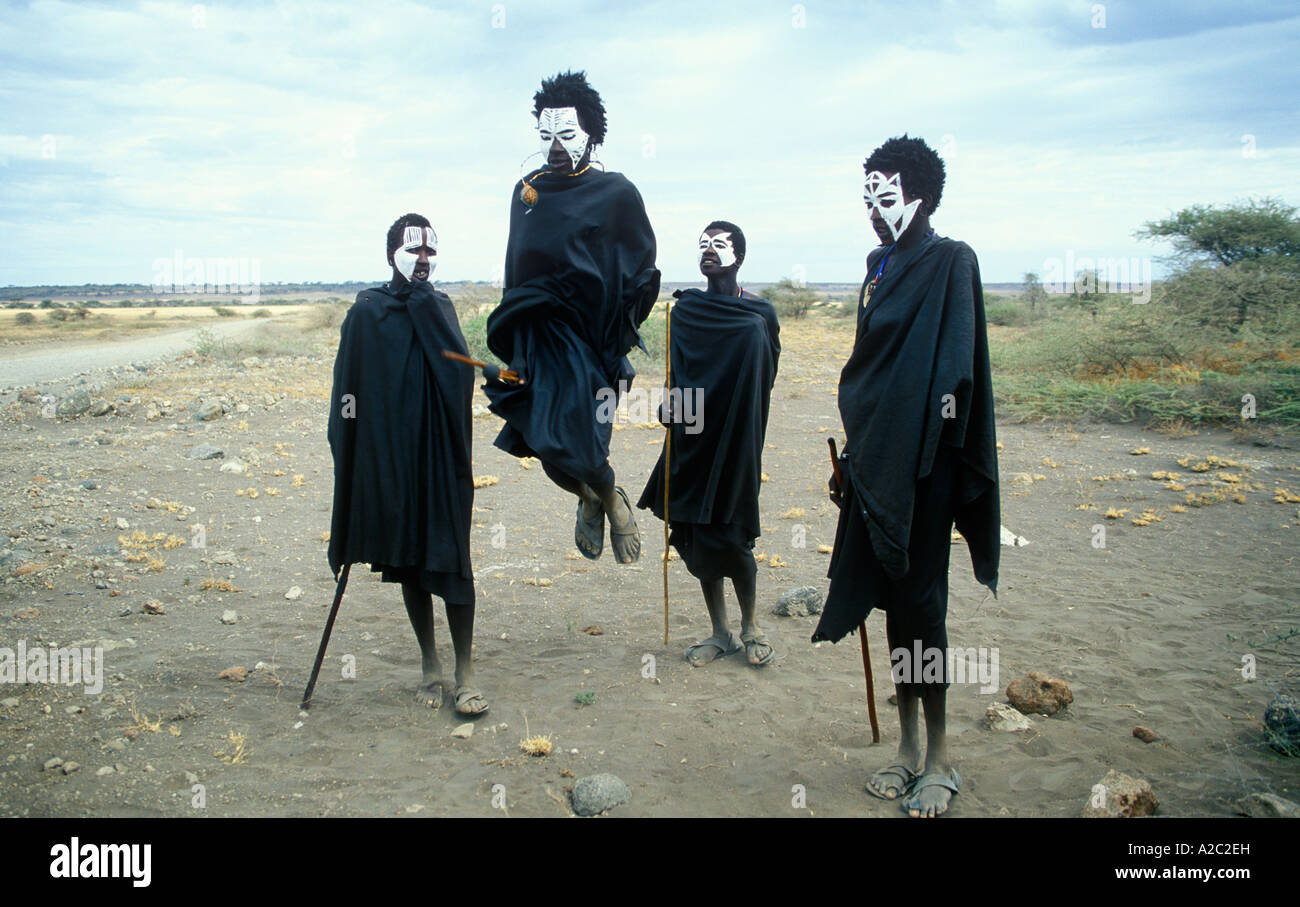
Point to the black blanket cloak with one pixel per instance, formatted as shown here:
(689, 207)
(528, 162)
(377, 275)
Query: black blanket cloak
(919, 377)
(580, 278)
(728, 347)
(399, 430)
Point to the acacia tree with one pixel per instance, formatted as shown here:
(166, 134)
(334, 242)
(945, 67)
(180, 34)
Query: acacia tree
(1264, 230)
(1236, 263)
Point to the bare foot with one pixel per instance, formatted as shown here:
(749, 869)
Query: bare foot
(431, 694)
(892, 781)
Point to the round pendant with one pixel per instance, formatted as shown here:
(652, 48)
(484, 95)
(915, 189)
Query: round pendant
(528, 195)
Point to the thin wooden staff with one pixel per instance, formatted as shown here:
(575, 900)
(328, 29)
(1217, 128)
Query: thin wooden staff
(862, 625)
(489, 371)
(668, 444)
(325, 638)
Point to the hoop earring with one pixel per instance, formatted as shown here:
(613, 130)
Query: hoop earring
(595, 161)
(522, 171)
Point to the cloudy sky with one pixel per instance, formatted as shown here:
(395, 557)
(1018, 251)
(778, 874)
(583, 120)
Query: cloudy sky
(294, 133)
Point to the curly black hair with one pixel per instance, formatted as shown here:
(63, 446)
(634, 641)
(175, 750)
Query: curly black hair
(570, 89)
(737, 236)
(919, 165)
(399, 226)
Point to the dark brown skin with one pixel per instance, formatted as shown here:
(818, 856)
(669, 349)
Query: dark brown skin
(918, 228)
(422, 266)
(932, 801)
(724, 282)
(419, 604)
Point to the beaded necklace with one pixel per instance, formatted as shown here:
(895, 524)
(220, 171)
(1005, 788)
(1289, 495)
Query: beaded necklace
(529, 195)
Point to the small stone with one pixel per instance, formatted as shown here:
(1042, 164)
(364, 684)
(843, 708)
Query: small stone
(595, 794)
(191, 778)
(1282, 725)
(122, 523)
(229, 617)
(208, 411)
(90, 484)
(241, 408)
(72, 710)
(238, 674)
(294, 593)
(104, 770)
(1145, 734)
(153, 606)
(73, 405)
(1038, 694)
(1260, 805)
(1125, 797)
(101, 407)
(463, 731)
(234, 466)
(205, 451)
(9, 703)
(224, 558)
(51, 764)
(70, 767)
(1002, 717)
(799, 602)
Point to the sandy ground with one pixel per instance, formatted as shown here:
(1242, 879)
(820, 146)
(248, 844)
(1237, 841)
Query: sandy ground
(1150, 630)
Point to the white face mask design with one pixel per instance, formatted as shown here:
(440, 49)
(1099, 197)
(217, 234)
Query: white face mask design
(886, 196)
(407, 255)
(562, 123)
(721, 245)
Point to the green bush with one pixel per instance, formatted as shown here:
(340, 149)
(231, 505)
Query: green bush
(225, 312)
(1011, 314)
(24, 318)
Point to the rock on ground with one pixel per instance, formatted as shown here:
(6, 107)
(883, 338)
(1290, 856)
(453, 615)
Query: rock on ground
(1125, 797)
(594, 794)
(799, 602)
(205, 451)
(1038, 694)
(1002, 717)
(1268, 806)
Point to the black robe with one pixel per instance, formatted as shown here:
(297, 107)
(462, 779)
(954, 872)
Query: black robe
(580, 278)
(728, 347)
(403, 486)
(918, 377)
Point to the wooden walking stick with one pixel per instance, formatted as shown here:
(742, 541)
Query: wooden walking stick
(491, 372)
(862, 625)
(325, 639)
(668, 444)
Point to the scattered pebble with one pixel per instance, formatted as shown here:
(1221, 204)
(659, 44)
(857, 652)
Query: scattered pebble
(229, 617)
(1145, 734)
(463, 731)
(595, 794)
(238, 673)
(800, 602)
(294, 593)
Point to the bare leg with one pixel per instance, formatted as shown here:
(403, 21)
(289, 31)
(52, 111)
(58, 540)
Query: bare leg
(715, 600)
(419, 608)
(933, 800)
(591, 507)
(889, 782)
(757, 650)
(460, 619)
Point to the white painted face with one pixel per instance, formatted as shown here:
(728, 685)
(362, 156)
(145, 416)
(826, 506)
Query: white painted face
(886, 196)
(720, 244)
(407, 255)
(562, 123)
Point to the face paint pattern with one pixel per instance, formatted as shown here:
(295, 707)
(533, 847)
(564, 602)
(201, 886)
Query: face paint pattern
(886, 196)
(721, 245)
(407, 255)
(562, 123)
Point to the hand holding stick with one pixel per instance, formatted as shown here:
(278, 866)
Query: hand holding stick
(491, 372)
(836, 496)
